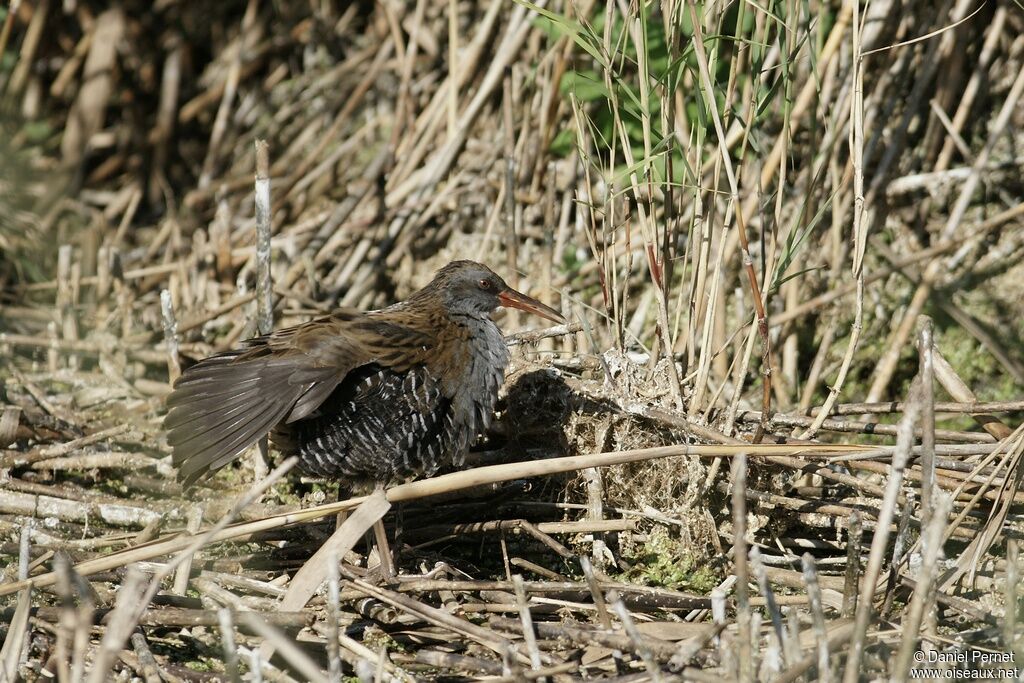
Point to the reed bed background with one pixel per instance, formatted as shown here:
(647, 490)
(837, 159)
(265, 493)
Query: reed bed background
(778, 440)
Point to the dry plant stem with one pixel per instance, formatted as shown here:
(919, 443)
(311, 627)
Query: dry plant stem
(854, 534)
(942, 247)
(527, 621)
(817, 617)
(634, 635)
(922, 597)
(315, 570)
(333, 618)
(925, 347)
(302, 662)
(147, 665)
(433, 615)
(5, 35)
(1011, 637)
(741, 229)
(859, 226)
(959, 390)
(968, 407)
(227, 637)
(170, 336)
(264, 230)
(121, 622)
(18, 632)
(887, 364)
(865, 601)
(264, 302)
(456, 481)
(739, 524)
(771, 605)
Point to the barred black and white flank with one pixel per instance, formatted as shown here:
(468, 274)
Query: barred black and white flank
(369, 398)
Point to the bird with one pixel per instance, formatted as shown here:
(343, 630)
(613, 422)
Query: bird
(368, 398)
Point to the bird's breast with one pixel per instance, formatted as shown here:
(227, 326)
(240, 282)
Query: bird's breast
(473, 373)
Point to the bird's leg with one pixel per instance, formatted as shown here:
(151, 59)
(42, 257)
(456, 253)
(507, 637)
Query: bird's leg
(399, 528)
(386, 568)
(340, 518)
(387, 565)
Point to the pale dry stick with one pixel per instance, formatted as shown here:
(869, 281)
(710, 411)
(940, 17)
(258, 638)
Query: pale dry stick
(595, 511)
(453, 60)
(899, 547)
(741, 230)
(226, 623)
(112, 459)
(522, 602)
(860, 227)
(264, 230)
(231, 81)
(965, 102)
(865, 600)
(119, 625)
(315, 570)
(166, 117)
(599, 603)
(13, 652)
(5, 34)
(30, 43)
(264, 279)
(181, 576)
(1011, 600)
(645, 209)
(941, 247)
(255, 666)
(923, 596)
(629, 626)
(925, 347)
(886, 367)
(739, 550)
(712, 311)
(854, 535)
(509, 187)
(855, 426)
(959, 391)
(302, 662)
(817, 617)
(147, 664)
(774, 613)
(333, 618)
(419, 184)
(965, 407)
(170, 336)
(425, 129)
(447, 483)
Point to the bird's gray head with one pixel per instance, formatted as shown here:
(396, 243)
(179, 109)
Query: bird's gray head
(473, 289)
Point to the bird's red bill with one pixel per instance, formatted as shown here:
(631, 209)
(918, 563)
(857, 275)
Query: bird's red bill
(510, 298)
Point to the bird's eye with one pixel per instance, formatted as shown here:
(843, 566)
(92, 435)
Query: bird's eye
(485, 284)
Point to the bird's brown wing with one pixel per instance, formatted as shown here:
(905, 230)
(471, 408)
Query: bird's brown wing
(225, 403)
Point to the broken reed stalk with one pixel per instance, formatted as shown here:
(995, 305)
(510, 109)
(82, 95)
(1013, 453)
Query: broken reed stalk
(170, 336)
(817, 617)
(869, 583)
(739, 552)
(447, 483)
(264, 302)
(264, 280)
(922, 599)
